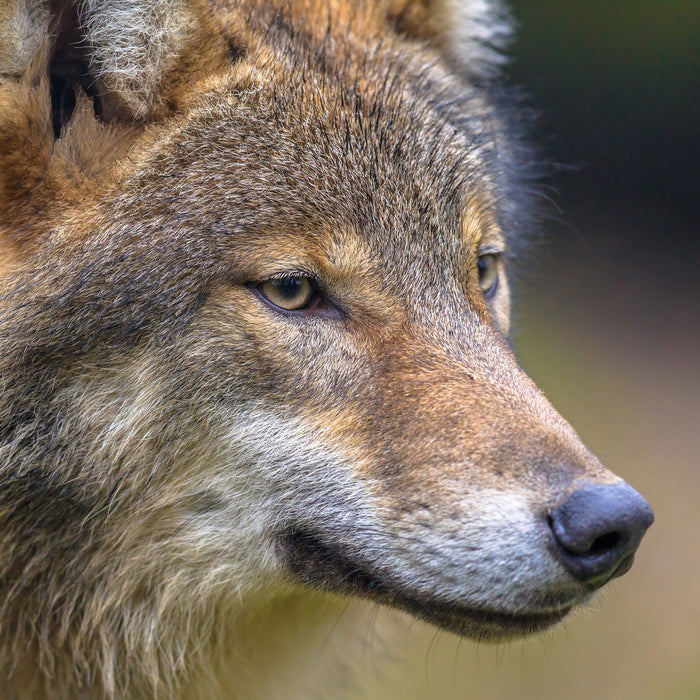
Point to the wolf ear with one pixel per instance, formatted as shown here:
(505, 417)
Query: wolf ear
(471, 34)
(121, 48)
(133, 44)
(66, 68)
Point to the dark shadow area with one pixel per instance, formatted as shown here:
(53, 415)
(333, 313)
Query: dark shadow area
(617, 87)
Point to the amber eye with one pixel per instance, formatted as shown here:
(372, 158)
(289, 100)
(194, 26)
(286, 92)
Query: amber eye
(488, 274)
(293, 293)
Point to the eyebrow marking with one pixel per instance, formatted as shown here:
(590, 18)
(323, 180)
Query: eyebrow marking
(480, 232)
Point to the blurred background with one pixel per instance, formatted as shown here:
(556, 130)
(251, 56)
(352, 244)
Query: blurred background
(607, 322)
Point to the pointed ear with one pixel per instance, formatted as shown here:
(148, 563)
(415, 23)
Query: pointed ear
(133, 44)
(471, 34)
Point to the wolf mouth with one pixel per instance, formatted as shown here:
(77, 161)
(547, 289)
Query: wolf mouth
(317, 563)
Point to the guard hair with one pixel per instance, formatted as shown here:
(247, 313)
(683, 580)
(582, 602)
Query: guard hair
(471, 34)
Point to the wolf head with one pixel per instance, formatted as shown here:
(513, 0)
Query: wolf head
(254, 323)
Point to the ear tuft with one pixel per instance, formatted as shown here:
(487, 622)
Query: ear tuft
(471, 34)
(134, 43)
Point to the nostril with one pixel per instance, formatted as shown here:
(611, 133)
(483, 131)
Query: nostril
(597, 530)
(605, 543)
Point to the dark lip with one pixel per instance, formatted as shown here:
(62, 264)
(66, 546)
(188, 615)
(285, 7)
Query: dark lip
(480, 623)
(316, 563)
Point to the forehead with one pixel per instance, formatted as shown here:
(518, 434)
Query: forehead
(395, 152)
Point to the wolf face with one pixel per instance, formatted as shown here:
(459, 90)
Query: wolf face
(254, 317)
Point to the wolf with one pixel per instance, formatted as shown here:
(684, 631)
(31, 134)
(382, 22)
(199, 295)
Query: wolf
(254, 361)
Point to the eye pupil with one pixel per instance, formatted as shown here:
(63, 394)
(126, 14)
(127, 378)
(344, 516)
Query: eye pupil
(289, 287)
(487, 266)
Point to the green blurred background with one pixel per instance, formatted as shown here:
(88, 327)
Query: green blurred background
(607, 323)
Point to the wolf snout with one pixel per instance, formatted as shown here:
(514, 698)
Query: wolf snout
(598, 529)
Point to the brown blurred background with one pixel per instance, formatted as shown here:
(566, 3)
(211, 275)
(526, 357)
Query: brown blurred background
(607, 323)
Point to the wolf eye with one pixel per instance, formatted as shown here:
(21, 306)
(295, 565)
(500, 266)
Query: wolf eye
(293, 293)
(487, 266)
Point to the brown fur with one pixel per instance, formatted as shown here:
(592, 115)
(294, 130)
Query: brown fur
(185, 472)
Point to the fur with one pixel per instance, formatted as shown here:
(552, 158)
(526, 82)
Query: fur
(194, 480)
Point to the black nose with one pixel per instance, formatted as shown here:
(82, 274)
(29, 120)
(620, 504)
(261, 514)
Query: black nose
(598, 529)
